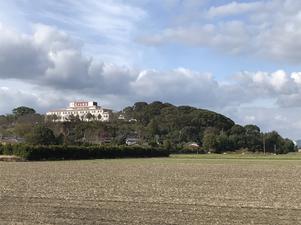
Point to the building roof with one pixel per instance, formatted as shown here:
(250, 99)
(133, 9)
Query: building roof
(75, 109)
(81, 108)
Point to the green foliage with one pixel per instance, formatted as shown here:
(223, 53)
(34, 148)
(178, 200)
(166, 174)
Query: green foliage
(155, 124)
(223, 143)
(60, 152)
(23, 110)
(41, 135)
(210, 142)
(251, 129)
(89, 116)
(178, 124)
(237, 130)
(248, 137)
(276, 144)
(253, 137)
(6, 149)
(167, 144)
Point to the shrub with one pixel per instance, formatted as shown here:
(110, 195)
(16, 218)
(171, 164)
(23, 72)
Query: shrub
(64, 152)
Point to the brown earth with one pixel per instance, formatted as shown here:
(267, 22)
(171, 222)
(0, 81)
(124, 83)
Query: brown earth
(10, 158)
(151, 191)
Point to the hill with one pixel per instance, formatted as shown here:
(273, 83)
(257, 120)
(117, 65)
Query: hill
(154, 124)
(177, 124)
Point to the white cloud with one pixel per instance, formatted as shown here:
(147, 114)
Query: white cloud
(52, 39)
(297, 77)
(18, 54)
(278, 82)
(284, 120)
(233, 8)
(11, 98)
(181, 86)
(226, 36)
(106, 26)
(58, 71)
(50, 58)
(266, 29)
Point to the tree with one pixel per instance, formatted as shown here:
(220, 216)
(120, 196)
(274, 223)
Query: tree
(210, 141)
(223, 143)
(73, 119)
(41, 135)
(237, 136)
(251, 129)
(52, 118)
(288, 146)
(253, 139)
(167, 144)
(237, 130)
(23, 129)
(153, 128)
(138, 106)
(276, 144)
(89, 116)
(189, 133)
(23, 110)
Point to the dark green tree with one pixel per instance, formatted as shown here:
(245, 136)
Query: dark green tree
(89, 116)
(153, 128)
(237, 130)
(223, 143)
(251, 129)
(41, 135)
(22, 110)
(253, 138)
(210, 142)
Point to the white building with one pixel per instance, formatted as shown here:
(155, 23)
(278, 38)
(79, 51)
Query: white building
(84, 110)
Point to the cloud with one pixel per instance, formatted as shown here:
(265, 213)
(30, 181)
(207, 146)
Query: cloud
(284, 88)
(64, 67)
(58, 71)
(263, 83)
(181, 86)
(53, 52)
(11, 98)
(284, 120)
(230, 36)
(106, 26)
(50, 58)
(233, 8)
(18, 54)
(263, 29)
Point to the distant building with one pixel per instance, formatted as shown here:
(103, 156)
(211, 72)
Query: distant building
(11, 140)
(121, 117)
(193, 145)
(83, 110)
(131, 141)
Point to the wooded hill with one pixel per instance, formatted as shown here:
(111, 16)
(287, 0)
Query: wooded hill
(155, 124)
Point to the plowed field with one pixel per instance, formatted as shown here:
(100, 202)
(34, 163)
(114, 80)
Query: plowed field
(151, 191)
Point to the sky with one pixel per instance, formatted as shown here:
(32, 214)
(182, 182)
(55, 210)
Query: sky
(238, 58)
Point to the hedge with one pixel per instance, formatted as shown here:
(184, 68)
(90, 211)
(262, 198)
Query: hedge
(67, 152)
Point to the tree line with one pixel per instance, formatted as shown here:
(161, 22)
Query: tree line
(71, 152)
(154, 125)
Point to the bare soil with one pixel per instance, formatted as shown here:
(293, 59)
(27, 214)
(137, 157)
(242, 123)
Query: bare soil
(10, 158)
(151, 191)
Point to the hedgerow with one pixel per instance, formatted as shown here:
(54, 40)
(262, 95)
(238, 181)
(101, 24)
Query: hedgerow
(68, 152)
